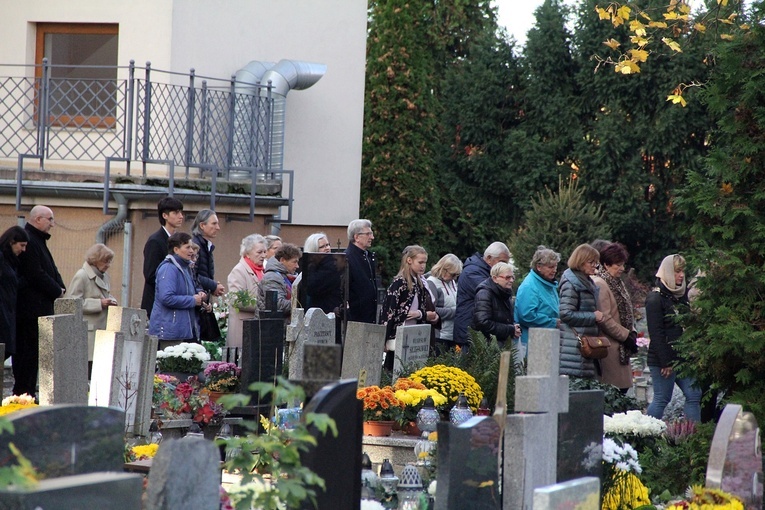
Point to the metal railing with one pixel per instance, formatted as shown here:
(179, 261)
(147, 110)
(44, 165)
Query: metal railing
(203, 124)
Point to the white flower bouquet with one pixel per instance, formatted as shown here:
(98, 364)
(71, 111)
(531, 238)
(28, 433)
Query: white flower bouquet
(184, 357)
(633, 423)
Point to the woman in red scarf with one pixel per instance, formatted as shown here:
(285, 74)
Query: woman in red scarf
(245, 276)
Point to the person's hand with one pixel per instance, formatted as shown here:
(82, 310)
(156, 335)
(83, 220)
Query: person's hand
(517, 331)
(63, 291)
(220, 290)
(631, 342)
(598, 316)
(199, 297)
(207, 307)
(414, 314)
(557, 323)
(107, 302)
(432, 316)
(666, 372)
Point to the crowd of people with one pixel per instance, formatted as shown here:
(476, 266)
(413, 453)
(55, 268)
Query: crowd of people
(589, 300)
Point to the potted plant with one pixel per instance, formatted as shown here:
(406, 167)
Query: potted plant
(381, 409)
(182, 360)
(221, 377)
(450, 382)
(412, 395)
(172, 397)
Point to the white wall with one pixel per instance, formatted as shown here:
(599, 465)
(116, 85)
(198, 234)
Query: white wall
(216, 38)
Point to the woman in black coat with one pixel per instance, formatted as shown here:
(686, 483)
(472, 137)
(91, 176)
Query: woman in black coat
(493, 311)
(12, 243)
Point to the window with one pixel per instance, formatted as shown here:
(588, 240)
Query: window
(83, 94)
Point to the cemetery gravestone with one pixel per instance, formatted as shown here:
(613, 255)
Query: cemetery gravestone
(321, 366)
(104, 491)
(63, 341)
(363, 351)
(186, 474)
(580, 436)
(124, 359)
(67, 439)
(531, 437)
(296, 325)
(412, 346)
(735, 457)
(582, 493)
(262, 351)
(318, 329)
(468, 471)
(337, 459)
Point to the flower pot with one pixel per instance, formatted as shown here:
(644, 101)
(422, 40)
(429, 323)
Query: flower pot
(378, 428)
(181, 376)
(215, 395)
(411, 429)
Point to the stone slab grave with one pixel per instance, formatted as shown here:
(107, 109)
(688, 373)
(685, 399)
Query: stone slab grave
(262, 352)
(67, 439)
(124, 360)
(412, 347)
(63, 365)
(735, 457)
(580, 436)
(363, 351)
(104, 491)
(337, 459)
(582, 494)
(185, 474)
(321, 366)
(317, 328)
(531, 435)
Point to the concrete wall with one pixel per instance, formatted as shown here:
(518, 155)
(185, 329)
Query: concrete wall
(324, 122)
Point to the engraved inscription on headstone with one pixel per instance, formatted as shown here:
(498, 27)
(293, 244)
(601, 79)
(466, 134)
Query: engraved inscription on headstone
(319, 329)
(412, 346)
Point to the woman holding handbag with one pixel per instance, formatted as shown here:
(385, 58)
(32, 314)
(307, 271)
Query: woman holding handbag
(579, 314)
(619, 321)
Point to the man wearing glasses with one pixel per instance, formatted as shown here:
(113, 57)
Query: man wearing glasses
(40, 284)
(362, 273)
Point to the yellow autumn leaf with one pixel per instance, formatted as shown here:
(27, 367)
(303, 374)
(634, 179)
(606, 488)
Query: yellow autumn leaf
(637, 27)
(639, 41)
(733, 16)
(676, 98)
(645, 16)
(726, 37)
(602, 13)
(700, 27)
(627, 67)
(685, 8)
(745, 26)
(672, 44)
(670, 15)
(722, 2)
(612, 43)
(726, 21)
(639, 55)
(657, 24)
(624, 12)
(617, 21)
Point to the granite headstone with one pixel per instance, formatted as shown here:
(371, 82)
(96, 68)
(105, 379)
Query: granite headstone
(104, 491)
(262, 352)
(580, 436)
(318, 329)
(581, 493)
(363, 350)
(412, 347)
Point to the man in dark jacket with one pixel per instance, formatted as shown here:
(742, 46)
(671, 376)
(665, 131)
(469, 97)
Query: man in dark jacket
(170, 212)
(475, 270)
(362, 273)
(40, 284)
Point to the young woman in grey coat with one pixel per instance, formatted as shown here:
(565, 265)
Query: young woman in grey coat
(578, 309)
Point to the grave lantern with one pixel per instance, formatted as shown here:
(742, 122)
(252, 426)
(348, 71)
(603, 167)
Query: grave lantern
(461, 412)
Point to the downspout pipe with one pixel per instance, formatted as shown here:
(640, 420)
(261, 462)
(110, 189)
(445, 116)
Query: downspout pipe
(116, 222)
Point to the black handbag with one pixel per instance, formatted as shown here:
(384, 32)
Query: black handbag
(208, 327)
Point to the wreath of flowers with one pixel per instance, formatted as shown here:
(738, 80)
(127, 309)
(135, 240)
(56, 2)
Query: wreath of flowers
(450, 382)
(380, 404)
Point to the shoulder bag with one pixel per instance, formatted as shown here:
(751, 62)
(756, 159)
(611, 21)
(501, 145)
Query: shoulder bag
(592, 347)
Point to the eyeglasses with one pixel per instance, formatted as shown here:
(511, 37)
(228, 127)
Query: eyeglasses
(507, 277)
(322, 246)
(370, 233)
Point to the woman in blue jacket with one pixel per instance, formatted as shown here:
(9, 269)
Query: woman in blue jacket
(173, 317)
(537, 303)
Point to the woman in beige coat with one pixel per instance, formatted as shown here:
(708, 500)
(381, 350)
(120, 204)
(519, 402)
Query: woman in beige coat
(245, 276)
(618, 318)
(91, 284)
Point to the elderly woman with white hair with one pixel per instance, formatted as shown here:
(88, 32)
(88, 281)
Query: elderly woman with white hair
(537, 303)
(322, 284)
(91, 284)
(245, 277)
(442, 283)
(493, 313)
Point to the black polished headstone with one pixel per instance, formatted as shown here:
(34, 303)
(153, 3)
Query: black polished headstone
(337, 460)
(324, 281)
(468, 465)
(65, 440)
(262, 351)
(580, 436)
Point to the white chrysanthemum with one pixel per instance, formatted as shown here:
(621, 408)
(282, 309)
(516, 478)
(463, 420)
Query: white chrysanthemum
(633, 422)
(371, 504)
(623, 457)
(432, 488)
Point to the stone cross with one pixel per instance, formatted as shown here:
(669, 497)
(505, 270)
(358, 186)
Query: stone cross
(124, 358)
(363, 350)
(63, 361)
(412, 347)
(319, 329)
(531, 437)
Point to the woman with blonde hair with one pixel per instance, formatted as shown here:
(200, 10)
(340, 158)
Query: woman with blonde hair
(91, 284)
(663, 329)
(406, 300)
(579, 314)
(442, 284)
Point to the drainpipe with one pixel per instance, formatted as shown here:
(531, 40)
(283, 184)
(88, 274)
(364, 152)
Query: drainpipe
(117, 221)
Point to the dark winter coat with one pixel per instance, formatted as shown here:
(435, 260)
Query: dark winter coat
(578, 302)
(40, 283)
(362, 285)
(9, 285)
(663, 329)
(205, 266)
(276, 278)
(398, 303)
(493, 312)
(474, 271)
(154, 252)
